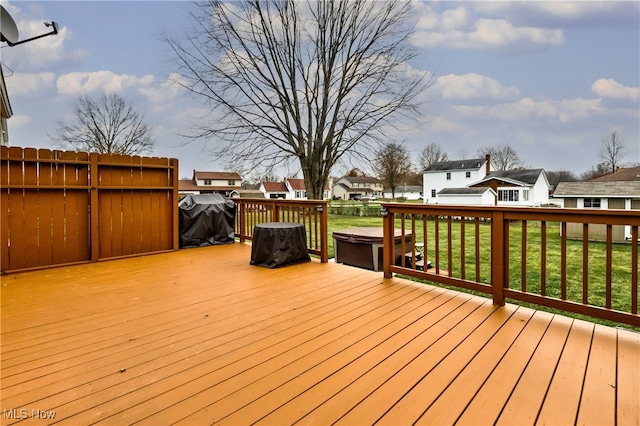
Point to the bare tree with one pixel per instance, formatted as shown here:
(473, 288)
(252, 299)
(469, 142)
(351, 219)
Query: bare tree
(393, 165)
(612, 150)
(432, 153)
(556, 177)
(502, 157)
(108, 125)
(311, 81)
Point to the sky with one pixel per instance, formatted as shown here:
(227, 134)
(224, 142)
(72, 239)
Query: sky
(550, 79)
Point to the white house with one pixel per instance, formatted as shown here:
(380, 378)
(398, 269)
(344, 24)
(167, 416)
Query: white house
(453, 174)
(225, 183)
(5, 111)
(482, 196)
(409, 192)
(523, 187)
(290, 189)
(347, 187)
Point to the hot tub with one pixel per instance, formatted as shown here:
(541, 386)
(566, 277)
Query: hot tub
(362, 247)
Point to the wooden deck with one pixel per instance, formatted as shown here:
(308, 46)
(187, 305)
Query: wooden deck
(199, 336)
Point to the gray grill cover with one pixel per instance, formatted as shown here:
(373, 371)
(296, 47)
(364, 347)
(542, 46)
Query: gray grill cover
(205, 220)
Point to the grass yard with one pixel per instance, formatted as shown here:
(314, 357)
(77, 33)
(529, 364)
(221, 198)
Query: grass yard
(621, 264)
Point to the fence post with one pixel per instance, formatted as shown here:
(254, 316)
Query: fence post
(175, 198)
(499, 276)
(241, 212)
(94, 237)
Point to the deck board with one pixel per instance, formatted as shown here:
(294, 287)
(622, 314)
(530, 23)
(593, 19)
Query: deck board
(200, 336)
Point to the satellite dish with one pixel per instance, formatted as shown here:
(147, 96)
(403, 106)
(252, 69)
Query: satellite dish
(8, 27)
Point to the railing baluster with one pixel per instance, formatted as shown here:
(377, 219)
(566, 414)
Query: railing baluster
(477, 249)
(563, 261)
(449, 248)
(463, 255)
(523, 262)
(543, 258)
(634, 269)
(585, 263)
(436, 224)
(608, 265)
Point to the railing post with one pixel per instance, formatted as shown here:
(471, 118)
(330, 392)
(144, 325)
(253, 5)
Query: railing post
(498, 274)
(387, 241)
(242, 225)
(324, 231)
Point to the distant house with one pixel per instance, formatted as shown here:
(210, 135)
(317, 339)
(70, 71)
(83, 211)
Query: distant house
(481, 196)
(601, 193)
(5, 111)
(453, 174)
(274, 190)
(409, 192)
(289, 189)
(225, 183)
(349, 188)
(522, 187)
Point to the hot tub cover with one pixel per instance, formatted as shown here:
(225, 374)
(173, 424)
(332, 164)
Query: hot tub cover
(205, 220)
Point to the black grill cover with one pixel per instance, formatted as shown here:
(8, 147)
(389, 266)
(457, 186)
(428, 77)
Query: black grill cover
(205, 220)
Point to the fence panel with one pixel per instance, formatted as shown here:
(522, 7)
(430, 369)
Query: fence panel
(63, 207)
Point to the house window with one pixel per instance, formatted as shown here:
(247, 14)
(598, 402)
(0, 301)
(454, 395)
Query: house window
(208, 182)
(433, 193)
(467, 174)
(525, 195)
(367, 185)
(508, 195)
(231, 183)
(592, 203)
(448, 175)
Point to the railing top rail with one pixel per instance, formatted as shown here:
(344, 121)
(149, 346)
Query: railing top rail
(628, 217)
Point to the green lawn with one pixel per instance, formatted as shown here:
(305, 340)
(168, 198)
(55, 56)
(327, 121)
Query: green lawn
(621, 265)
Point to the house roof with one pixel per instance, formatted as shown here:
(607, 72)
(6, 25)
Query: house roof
(361, 179)
(599, 189)
(297, 184)
(188, 185)
(464, 191)
(275, 187)
(628, 174)
(216, 175)
(469, 164)
(520, 177)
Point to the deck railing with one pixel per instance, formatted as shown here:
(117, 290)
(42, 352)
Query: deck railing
(311, 213)
(532, 255)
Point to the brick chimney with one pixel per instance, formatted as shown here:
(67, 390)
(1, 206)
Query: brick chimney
(488, 157)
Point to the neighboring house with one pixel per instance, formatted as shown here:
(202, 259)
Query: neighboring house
(522, 187)
(409, 192)
(225, 183)
(274, 190)
(290, 189)
(5, 111)
(601, 194)
(349, 188)
(453, 174)
(481, 196)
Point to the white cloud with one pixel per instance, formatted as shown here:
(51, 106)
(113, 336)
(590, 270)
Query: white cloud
(472, 87)
(165, 91)
(609, 88)
(458, 28)
(26, 84)
(77, 83)
(564, 111)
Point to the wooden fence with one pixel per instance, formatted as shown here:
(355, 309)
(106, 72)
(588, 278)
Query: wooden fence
(60, 207)
(522, 254)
